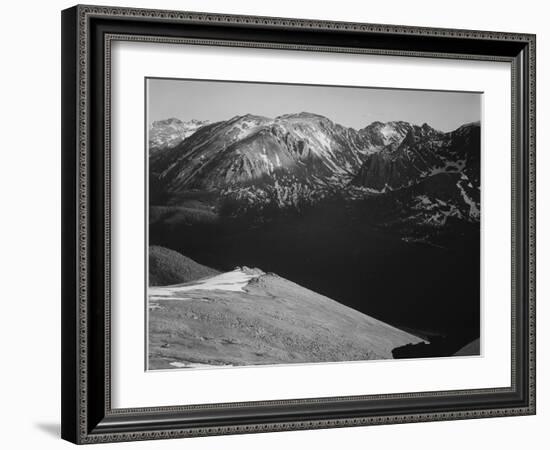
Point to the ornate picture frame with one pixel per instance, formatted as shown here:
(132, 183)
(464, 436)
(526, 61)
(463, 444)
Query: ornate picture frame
(88, 33)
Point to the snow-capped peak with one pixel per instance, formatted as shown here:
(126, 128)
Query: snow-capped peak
(170, 132)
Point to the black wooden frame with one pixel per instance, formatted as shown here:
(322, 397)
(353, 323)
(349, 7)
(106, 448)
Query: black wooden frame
(87, 32)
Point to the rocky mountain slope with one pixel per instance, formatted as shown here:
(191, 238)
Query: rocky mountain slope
(292, 158)
(423, 152)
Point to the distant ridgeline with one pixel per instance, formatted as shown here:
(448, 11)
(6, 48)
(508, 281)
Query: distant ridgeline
(298, 160)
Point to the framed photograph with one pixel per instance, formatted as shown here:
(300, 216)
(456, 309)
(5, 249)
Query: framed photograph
(278, 224)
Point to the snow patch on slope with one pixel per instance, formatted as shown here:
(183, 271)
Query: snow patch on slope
(474, 208)
(234, 281)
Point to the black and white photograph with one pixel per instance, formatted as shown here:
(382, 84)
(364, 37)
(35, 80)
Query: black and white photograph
(294, 224)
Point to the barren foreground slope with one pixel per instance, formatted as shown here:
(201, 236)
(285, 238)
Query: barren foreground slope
(247, 317)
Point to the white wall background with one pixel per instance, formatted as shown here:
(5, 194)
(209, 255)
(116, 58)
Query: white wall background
(30, 225)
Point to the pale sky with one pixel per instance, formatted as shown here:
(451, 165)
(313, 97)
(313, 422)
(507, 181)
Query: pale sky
(349, 106)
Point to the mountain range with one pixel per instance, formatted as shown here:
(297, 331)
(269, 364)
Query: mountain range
(293, 161)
